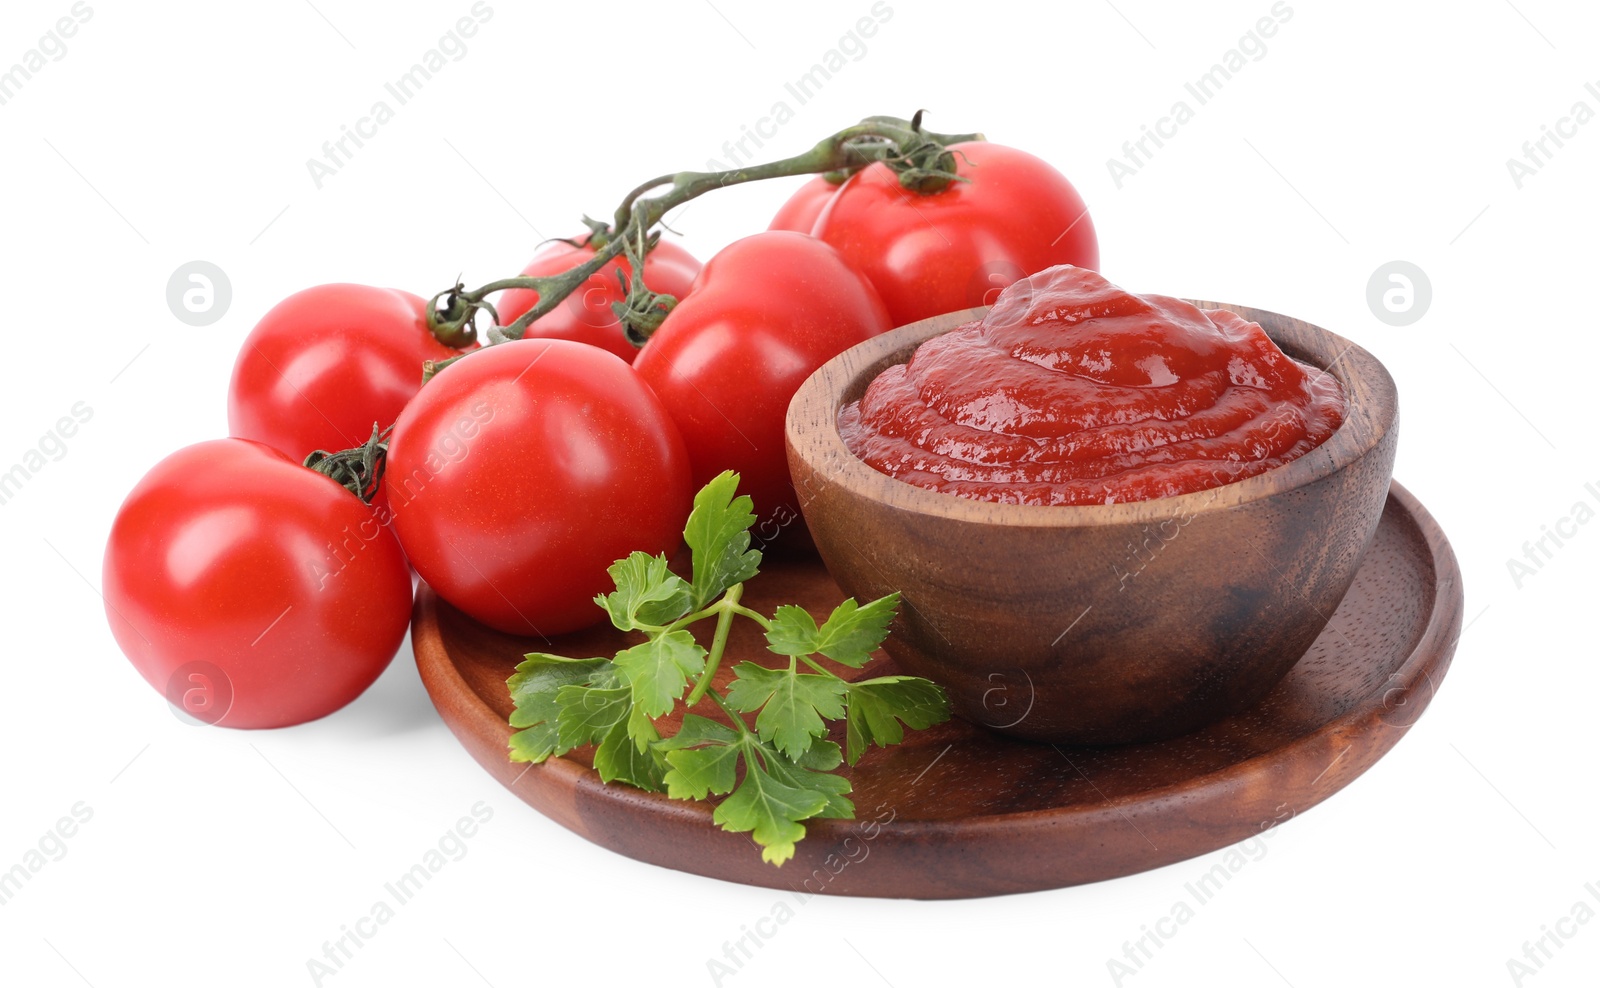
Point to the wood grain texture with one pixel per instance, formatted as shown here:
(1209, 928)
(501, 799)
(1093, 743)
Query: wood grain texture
(1122, 622)
(959, 811)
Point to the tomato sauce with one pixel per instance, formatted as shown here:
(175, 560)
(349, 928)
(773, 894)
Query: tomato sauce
(1073, 391)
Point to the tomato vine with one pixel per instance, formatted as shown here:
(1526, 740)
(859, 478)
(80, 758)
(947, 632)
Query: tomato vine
(920, 158)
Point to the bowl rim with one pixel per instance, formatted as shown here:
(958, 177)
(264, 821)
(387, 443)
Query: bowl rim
(1371, 411)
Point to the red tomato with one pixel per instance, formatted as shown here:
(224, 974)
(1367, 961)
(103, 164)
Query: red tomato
(521, 473)
(326, 364)
(586, 314)
(800, 211)
(251, 591)
(957, 248)
(765, 313)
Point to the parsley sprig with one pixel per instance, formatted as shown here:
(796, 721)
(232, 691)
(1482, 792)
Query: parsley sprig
(775, 775)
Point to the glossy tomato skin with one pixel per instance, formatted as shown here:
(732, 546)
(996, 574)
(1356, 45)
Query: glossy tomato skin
(764, 314)
(586, 315)
(520, 473)
(800, 211)
(957, 248)
(270, 589)
(326, 363)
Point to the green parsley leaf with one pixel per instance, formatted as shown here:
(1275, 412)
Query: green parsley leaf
(535, 744)
(641, 728)
(793, 631)
(658, 671)
(533, 689)
(815, 771)
(775, 793)
(647, 594)
(718, 533)
(793, 705)
(767, 805)
(620, 759)
(589, 713)
(703, 756)
(876, 707)
(848, 637)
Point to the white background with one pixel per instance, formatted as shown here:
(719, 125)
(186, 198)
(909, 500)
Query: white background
(1368, 132)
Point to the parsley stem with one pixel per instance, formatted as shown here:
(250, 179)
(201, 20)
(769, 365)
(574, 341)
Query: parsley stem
(711, 610)
(756, 616)
(808, 660)
(719, 641)
(738, 723)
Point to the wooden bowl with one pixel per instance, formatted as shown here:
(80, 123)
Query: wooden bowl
(1101, 624)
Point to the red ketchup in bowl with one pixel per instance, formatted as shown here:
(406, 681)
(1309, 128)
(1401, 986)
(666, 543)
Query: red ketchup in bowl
(1073, 391)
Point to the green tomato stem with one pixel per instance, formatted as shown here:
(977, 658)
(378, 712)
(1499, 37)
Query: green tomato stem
(902, 144)
(358, 470)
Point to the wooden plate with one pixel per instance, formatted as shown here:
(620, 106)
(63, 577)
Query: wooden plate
(957, 811)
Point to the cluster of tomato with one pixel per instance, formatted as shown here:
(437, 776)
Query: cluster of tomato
(254, 592)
